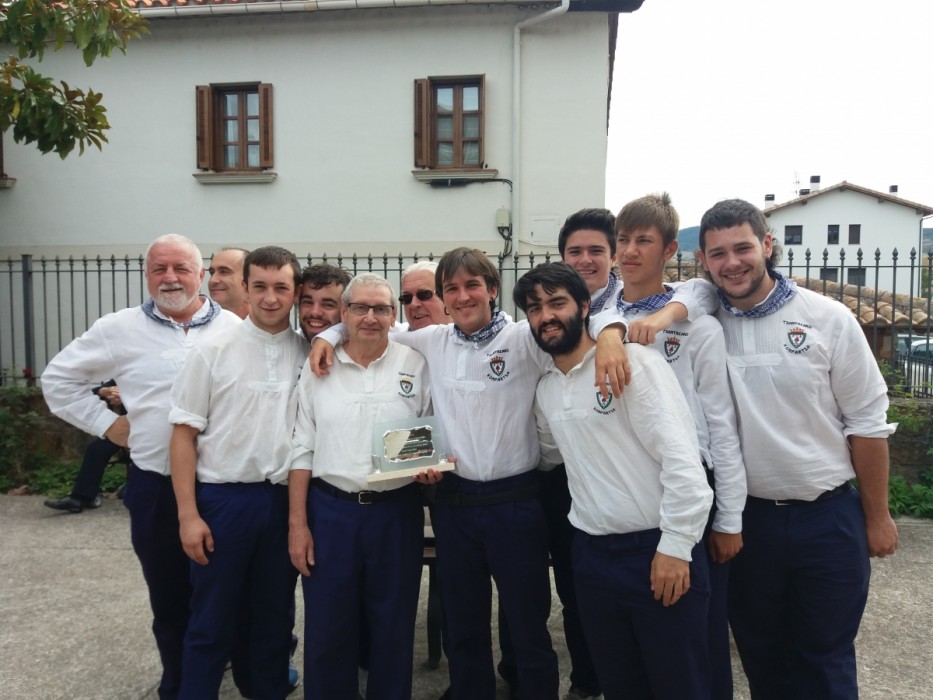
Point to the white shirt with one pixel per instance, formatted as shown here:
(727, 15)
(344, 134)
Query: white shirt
(484, 396)
(632, 463)
(803, 379)
(238, 389)
(143, 356)
(337, 414)
(696, 351)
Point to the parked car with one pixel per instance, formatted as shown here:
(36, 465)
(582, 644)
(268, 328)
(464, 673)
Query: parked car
(916, 361)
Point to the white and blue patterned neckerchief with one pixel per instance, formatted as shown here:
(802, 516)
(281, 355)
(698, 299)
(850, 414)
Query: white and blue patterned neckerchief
(608, 293)
(655, 302)
(497, 323)
(149, 308)
(784, 290)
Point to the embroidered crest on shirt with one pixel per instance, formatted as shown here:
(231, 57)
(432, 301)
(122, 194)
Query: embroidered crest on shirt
(671, 346)
(796, 338)
(602, 404)
(497, 365)
(406, 384)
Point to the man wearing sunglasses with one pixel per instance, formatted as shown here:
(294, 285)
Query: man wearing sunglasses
(421, 305)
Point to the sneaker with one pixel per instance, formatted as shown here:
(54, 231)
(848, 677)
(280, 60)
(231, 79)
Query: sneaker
(73, 504)
(576, 693)
(293, 679)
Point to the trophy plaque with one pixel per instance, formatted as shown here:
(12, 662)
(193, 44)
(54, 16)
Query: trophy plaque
(407, 447)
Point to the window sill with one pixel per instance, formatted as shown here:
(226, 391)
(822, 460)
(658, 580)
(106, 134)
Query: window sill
(454, 177)
(245, 178)
(7, 183)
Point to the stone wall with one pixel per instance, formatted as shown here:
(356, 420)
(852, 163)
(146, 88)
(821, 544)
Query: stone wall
(912, 440)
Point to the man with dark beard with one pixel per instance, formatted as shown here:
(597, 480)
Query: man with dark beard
(640, 500)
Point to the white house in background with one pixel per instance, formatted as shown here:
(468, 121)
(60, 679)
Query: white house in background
(330, 126)
(836, 222)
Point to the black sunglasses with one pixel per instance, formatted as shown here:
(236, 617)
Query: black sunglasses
(422, 294)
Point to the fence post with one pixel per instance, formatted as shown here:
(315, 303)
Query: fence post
(29, 315)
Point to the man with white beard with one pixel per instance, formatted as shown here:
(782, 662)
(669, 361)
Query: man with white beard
(143, 348)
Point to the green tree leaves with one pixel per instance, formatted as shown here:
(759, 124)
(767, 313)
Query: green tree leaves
(55, 116)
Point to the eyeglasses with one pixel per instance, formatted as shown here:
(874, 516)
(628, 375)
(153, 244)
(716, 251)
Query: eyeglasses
(383, 310)
(422, 294)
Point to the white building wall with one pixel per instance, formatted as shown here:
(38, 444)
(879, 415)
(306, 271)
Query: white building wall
(343, 104)
(885, 226)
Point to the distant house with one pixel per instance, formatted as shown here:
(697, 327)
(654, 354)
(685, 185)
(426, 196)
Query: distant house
(331, 127)
(833, 224)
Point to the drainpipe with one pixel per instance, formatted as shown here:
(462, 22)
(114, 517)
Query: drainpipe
(516, 175)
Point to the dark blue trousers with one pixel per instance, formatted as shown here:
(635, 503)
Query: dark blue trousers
(642, 650)
(555, 500)
(154, 532)
(507, 541)
(93, 464)
(249, 564)
(370, 553)
(796, 595)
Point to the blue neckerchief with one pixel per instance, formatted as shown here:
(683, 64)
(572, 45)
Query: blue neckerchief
(486, 332)
(784, 290)
(149, 307)
(655, 302)
(609, 292)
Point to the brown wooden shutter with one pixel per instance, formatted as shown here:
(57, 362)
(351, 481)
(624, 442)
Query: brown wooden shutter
(203, 105)
(482, 121)
(265, 125)
(422, 123)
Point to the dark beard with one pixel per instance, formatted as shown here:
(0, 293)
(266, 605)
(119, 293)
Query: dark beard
(566, 343)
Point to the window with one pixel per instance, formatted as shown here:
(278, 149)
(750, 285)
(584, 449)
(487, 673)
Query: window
(855, 234)
(856, 276)
(832, 234)
(234, 127)
(830, 274)
(449, 123)
(793, 235)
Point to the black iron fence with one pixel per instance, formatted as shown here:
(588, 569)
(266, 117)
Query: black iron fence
(50, 301)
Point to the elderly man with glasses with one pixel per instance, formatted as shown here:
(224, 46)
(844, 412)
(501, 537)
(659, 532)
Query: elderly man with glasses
(358, 545)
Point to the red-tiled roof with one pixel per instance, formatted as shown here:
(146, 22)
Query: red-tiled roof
(275, 5)
(900, 311)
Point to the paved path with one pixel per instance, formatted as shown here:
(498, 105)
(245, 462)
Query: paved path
(74, 616)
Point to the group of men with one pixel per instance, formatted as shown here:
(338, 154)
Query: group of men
(703, 481)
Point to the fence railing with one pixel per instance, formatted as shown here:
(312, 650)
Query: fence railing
(50, 301)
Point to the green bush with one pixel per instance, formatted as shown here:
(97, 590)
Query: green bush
(911, 499)
(56, 478)
(17, 426)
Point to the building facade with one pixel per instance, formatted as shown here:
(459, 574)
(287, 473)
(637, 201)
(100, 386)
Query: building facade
(406, 129)
(848, 234)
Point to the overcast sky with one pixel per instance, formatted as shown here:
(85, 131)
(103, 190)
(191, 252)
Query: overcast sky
(737, 98)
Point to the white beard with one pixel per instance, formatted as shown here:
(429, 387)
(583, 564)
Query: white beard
(174, 300)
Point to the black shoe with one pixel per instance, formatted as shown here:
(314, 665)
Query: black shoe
(121, 492)
(72, 504)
